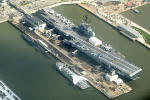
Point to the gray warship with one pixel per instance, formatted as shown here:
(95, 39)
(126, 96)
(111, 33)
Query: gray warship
(77, 80)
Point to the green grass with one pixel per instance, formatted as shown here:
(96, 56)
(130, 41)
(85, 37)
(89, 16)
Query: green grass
(145, 35)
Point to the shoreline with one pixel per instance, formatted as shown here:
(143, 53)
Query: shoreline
(84, 6)
(134, 7)
(3, 21)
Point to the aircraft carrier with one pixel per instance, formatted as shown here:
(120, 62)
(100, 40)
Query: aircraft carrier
(111, 60)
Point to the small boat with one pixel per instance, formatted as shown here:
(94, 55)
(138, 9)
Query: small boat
(136, 11)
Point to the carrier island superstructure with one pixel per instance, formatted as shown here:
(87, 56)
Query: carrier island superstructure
(106, 80)
(112, 61)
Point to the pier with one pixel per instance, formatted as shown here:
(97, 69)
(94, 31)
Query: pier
(2, 21)
(52, 49)
(110, 90)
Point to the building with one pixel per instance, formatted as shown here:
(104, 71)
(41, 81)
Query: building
(114, 78)
(118, 81)
(111, 77)
(95, 41)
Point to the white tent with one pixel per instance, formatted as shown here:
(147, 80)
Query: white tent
(95, 41)
(111, 78)
(118, 81)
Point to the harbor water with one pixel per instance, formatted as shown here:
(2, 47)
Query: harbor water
(33, 76)
(141, 18)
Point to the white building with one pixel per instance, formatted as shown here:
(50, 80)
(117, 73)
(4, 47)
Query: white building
(118, 81)
(95, 41)
(111, 77)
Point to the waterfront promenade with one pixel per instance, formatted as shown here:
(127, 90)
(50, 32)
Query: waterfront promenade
(3, 20)
(141, 4)
(140, 40)
(131, 23)
(3, 17)
(52, 6)
(64, 3)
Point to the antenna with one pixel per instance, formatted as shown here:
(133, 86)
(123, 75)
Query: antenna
(86, 19)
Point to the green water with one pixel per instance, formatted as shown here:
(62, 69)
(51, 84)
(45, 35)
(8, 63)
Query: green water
(142, 18)
(33, 77)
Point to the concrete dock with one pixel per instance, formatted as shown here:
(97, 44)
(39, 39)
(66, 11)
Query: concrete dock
(110, 90)
(3, 20)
